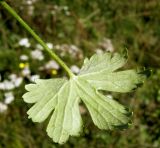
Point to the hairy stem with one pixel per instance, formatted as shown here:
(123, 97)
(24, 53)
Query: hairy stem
(37, 38)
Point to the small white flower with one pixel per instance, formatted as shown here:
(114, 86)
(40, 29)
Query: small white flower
(2, 86)
(9, 97)
(8, 85)
(52, 65)
(29, 2)
(38, 46)
(107, 45)
(24, 57)
(16, 80)
(37, 54)
(75, 69)
(34, 77)
(50, 45)
(12, 76)
(26, 71)
(3, 107)
(99, 51)
(24, 42)
(74, 48)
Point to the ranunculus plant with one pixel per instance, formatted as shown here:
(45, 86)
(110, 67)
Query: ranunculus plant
(60, 97)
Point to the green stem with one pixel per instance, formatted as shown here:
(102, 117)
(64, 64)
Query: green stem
(37, 38)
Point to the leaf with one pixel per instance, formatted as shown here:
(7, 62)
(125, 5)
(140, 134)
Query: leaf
(61, 97)
(55, 94)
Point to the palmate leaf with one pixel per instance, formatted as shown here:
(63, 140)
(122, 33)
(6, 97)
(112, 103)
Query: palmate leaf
(61, 97)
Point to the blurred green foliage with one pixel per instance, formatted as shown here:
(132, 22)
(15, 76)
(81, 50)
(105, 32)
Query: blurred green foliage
(129, 24)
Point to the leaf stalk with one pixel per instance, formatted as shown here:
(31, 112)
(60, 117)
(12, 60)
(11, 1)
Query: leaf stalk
(37, 38)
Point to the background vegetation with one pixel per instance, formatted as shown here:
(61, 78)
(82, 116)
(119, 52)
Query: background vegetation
(78, 29)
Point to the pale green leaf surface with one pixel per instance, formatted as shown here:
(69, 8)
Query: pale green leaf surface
(60, 97)
(44, 92)
(106, 113)
(101, 62)
(100, 72)
(66, 119)
(123, 81)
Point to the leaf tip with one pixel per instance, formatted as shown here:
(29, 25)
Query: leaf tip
(146, 72)
(124, 53)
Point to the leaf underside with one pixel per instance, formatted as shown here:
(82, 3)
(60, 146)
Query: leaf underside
(60, 97)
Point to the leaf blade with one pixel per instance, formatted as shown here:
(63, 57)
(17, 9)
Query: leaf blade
(108, 61)
(66, 119)
(122, 81)
(105, 113)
